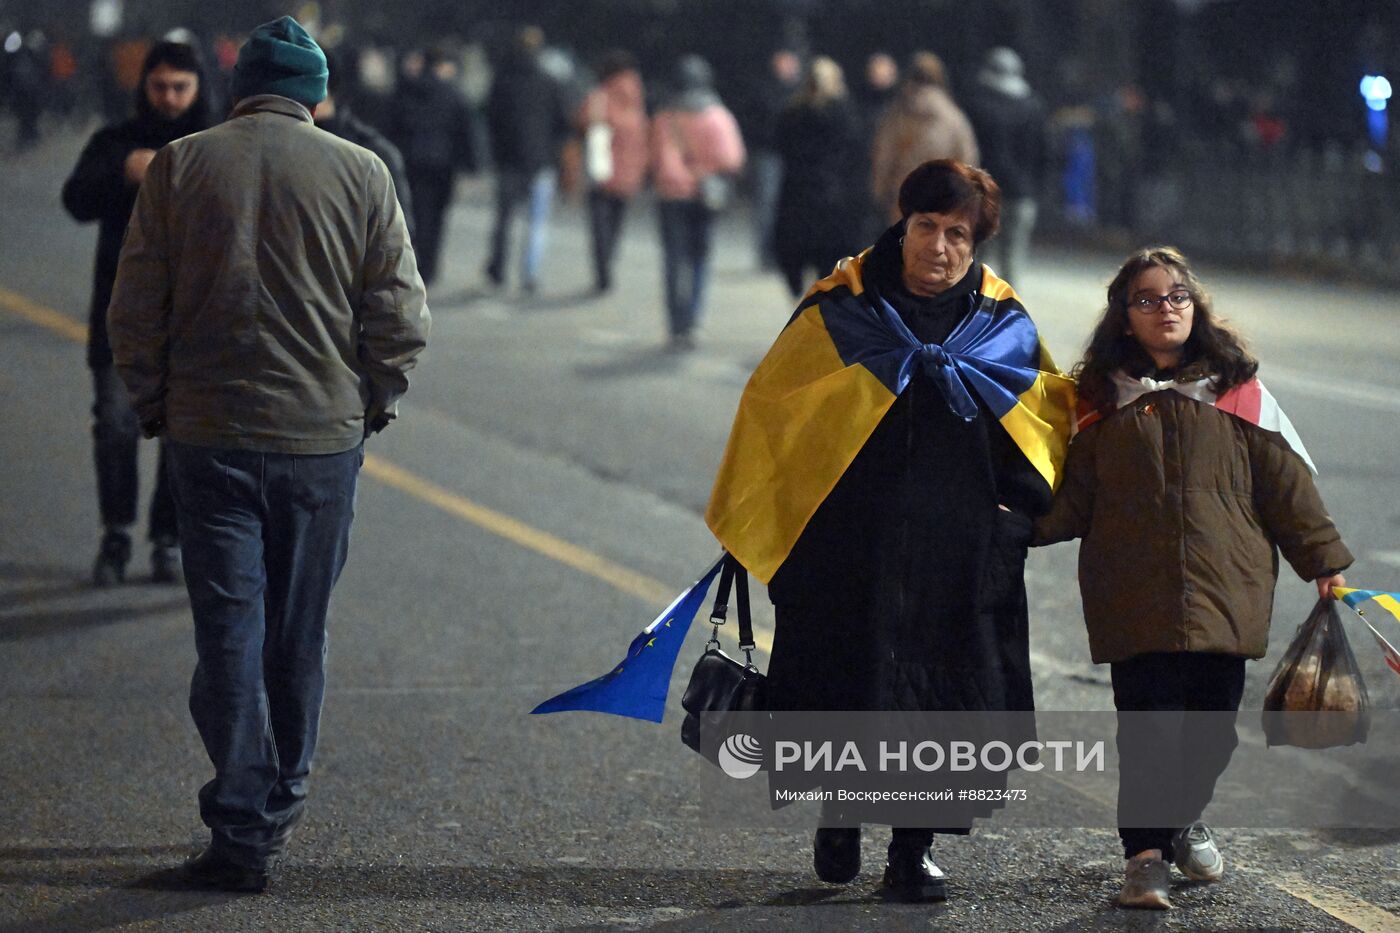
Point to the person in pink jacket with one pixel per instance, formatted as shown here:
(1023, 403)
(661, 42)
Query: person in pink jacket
(613, 117)
(696, 149)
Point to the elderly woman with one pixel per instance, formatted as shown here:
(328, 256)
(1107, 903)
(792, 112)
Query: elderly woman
(882, 475)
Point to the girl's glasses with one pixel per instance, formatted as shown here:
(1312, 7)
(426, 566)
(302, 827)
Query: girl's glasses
(1178, 300)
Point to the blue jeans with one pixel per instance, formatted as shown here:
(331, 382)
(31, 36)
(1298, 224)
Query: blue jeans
(766, 168)
(263, 538)
(537, 191)
(686, 234)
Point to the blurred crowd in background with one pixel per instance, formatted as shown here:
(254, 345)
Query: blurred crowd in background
(1271, 167)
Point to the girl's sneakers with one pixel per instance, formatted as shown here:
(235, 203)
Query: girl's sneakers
(1196, 854)
(1146, 884)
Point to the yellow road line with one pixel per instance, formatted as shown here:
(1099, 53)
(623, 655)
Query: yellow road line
(1350, 910)
(527, 536)
(48, 318)
(541, 542)
(555, 548)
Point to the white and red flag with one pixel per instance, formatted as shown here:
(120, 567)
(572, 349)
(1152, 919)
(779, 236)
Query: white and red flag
(1250, 402)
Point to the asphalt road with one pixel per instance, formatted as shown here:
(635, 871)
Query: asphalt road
(536, 504)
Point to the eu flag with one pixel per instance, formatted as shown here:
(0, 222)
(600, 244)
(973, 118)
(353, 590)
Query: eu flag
(637, 687)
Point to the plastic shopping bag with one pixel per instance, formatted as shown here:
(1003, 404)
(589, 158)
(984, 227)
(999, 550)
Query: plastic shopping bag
(1316, 697)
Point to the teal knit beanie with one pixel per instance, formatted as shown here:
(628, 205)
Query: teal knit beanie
(281, 58)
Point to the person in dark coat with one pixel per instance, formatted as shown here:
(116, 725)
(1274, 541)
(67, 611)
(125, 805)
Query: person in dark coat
(877, 91)
(905, 591)
(768, 100)
(1009, 120)
(822, 149)
(335, 116)
(870, 98)
(26, 81)
(529, 120)
(171, 102)
(431, 127)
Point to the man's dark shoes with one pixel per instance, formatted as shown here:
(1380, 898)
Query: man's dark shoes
(112, 555)
(912, 876)
(212, 869)
(836, 853)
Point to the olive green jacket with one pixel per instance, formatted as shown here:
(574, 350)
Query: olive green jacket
(267, 296)
(1183, 509)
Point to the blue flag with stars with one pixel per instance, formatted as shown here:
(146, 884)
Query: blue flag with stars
(637, 687)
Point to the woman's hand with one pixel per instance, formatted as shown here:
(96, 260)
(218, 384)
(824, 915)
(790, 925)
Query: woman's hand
(1325, 584)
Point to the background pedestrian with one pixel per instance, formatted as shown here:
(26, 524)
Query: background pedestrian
(529, 120)
(431, 126)
(696, 149)
(1009, 121)
(823, 196)
(923, 123)
(170, 102)
(616, 108)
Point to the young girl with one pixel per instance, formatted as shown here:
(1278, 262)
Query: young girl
(1183, 479)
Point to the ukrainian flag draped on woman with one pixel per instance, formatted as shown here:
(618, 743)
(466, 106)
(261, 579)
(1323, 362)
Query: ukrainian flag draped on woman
(831, 376)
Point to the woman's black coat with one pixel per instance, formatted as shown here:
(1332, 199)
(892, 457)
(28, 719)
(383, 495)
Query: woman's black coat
(906, 589)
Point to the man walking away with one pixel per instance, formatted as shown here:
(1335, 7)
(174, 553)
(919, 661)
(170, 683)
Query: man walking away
(171, 102)
(431, 125)
(335, 116)
(769, 99)
(529, 122)
(266, 310)
(1009, 121)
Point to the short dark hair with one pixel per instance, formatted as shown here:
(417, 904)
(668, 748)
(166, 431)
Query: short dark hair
(1213, 350)
(947, 186)
(178, 55)
(615, 62)
(182, 57)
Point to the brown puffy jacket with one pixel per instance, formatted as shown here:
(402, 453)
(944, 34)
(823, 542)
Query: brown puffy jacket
(1181, 506)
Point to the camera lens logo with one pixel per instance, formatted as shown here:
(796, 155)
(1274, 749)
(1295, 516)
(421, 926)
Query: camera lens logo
(741, 756)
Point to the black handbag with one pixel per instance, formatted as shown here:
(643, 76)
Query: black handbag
(719, 683)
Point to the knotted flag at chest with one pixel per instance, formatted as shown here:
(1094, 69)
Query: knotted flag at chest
(833, 374)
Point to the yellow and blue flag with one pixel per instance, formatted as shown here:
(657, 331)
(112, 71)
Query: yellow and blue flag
(637, 687)
(834, 372)
(1390, 602)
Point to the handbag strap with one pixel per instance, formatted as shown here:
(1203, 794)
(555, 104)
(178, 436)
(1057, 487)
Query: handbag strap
(731, 573)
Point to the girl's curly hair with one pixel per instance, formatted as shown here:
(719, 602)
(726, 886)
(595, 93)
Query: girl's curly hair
(1213, 349)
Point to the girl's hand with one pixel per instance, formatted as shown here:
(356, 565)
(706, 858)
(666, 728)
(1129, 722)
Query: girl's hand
(1325, 584)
